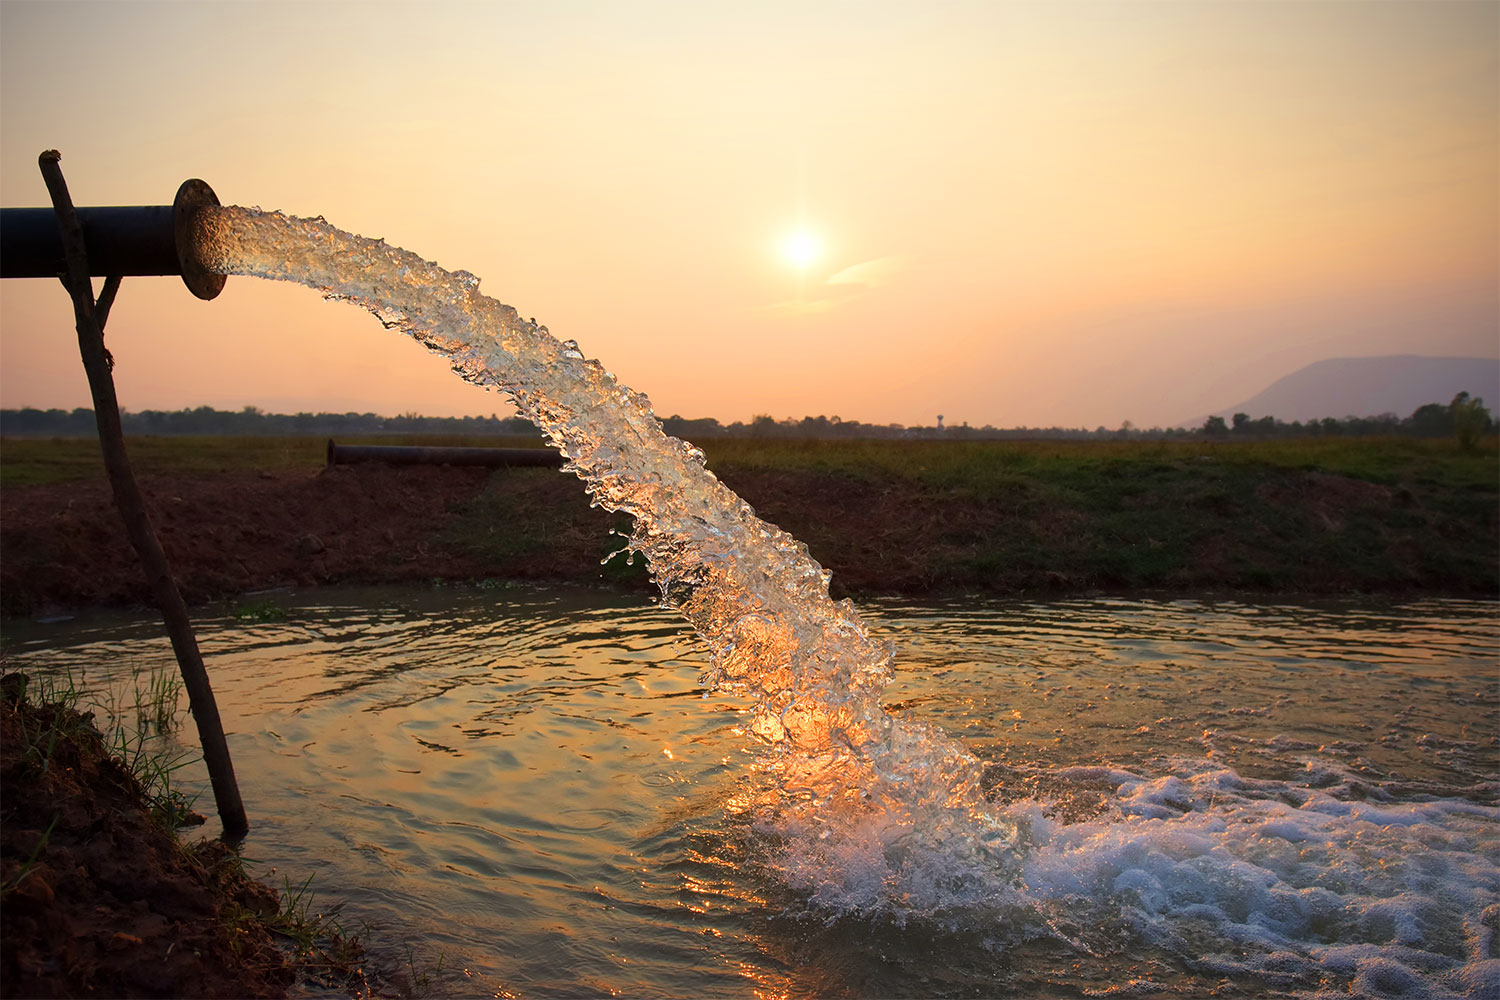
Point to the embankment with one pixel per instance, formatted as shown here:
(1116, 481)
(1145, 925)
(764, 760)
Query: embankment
(923, 518)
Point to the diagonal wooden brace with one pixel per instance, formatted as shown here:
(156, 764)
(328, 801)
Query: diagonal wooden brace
(90, 315)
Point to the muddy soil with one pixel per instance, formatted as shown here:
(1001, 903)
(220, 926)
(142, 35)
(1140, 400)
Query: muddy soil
(62, 544)
(99, 899)
(227, 533)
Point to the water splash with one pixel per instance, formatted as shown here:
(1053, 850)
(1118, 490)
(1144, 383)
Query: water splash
(893, 804)
(882, 816)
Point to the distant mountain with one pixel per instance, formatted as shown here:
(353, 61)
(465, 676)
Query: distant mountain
(1368, 387)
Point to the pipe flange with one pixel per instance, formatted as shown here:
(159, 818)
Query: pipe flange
(193, 195)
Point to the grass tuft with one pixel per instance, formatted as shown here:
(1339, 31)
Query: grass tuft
(266, 610)
(324, 952)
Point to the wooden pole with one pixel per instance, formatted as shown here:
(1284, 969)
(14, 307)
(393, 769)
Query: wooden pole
(97, 363)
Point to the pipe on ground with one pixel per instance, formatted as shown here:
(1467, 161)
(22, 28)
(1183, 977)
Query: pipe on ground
(347, 454)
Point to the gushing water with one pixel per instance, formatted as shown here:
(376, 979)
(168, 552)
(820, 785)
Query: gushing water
(845, 771)
(1293, 881)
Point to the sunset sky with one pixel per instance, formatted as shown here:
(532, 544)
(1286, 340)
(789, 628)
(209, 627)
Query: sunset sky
(1008, 213)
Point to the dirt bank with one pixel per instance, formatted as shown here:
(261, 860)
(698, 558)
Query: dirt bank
(99, 899)
(1180, 527)
(62, 544)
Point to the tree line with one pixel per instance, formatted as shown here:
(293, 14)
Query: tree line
(1464, 417)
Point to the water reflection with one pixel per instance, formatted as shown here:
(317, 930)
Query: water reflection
(1405, 694)
(532, 785)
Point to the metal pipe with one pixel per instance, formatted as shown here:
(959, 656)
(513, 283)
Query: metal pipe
(120, 240)
(346, 454)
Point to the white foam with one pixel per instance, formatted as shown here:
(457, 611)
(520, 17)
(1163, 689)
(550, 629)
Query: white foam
(1227, 873)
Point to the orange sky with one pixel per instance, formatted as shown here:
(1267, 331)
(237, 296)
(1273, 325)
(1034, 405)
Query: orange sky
(1029, 213)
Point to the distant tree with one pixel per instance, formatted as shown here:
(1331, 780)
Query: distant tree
(692, 430)
(763, 425)
(1241, 423)
(1215, 427)
(1432, 420)
(814, 427)
(1470, 420)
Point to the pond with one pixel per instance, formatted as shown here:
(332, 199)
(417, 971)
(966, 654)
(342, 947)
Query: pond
(525, 792)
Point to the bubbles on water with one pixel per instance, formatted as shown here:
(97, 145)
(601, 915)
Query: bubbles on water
(1255, 880)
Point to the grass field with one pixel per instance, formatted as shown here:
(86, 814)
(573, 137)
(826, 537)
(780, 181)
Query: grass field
(1315, 513)
(977, 465)
(35, 461)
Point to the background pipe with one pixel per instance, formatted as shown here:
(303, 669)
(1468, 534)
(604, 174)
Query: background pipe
(392, 454)
(120, 241)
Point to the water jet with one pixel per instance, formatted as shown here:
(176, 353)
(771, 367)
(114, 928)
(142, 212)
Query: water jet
(1301, 869)
(752, 592)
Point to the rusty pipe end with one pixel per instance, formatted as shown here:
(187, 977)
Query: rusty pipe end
(193, 195)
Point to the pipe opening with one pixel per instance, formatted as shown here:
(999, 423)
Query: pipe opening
(123, 240)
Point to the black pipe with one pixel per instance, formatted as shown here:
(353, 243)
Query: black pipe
(120, 240)
(124, 241)
(391, 454)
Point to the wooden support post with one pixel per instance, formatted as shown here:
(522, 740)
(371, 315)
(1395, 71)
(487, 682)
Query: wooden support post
(90, 317)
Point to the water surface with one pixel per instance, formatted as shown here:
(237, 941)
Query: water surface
(531, 787)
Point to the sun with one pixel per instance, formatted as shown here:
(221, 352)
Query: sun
(801, 248)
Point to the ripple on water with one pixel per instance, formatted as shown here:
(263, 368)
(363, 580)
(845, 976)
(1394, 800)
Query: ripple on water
(577, 800)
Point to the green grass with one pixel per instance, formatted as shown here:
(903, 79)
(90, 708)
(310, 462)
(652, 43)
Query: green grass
(981, 465)
(1305, 513)
(322, 948)
(59, 728)
(137, 712)
(971, 464)
(258, 611)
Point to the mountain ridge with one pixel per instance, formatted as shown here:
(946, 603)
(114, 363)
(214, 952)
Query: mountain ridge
(1367, 387)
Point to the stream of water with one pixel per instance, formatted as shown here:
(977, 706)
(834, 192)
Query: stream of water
(860, 815)
(532, 791)
(893, 805)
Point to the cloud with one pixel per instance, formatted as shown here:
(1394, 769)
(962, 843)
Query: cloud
(870, 273)
(841, 287)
